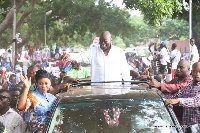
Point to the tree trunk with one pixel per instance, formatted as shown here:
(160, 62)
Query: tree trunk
(8, 21)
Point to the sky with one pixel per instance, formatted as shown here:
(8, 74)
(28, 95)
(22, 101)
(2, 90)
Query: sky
(119, 4)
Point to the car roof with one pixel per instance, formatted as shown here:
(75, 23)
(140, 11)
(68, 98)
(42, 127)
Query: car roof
(90, 93)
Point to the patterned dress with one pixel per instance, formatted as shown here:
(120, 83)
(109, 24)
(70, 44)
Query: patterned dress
(37, 108)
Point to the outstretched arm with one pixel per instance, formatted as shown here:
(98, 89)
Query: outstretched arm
(83, 79)
(22, 100)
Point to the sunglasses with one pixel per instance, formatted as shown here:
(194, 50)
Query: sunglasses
(3, 97)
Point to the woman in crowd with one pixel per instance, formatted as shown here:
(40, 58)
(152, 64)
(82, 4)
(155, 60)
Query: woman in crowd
(38, 103)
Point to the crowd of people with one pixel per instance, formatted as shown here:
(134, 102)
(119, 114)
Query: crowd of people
(178, 79)
(26, 98)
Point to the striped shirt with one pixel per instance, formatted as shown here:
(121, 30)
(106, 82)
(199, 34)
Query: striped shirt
(189, 98)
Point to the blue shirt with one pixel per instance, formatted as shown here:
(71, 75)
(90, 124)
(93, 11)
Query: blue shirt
(38, 106)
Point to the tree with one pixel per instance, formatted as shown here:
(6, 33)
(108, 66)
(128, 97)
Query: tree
(69, 21)
(170, 29)
(155, 10)
(174, 29)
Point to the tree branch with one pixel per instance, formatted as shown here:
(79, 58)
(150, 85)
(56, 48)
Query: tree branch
(25, 14)
(8, 21)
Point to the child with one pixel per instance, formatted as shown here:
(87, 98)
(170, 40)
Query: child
(37, 103)
(11, 83)
(188, 97)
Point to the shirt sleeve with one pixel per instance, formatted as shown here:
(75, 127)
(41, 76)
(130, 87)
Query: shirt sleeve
(171, 87)
(190, 102)
(31, 100)
(84, 57)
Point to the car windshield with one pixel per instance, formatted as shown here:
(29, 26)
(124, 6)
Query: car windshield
(111, 116)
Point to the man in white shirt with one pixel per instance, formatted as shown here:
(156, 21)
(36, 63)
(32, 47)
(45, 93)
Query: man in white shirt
(164, 56)
(175, 56)
(108, 62)
(194, 55)
(13, 122)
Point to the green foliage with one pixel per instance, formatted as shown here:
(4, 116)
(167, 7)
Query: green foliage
(170, 29)
(174, 29)
(78, 22)
(5, 6)
(70, 21)
(154, 10)
(142, 31)
(6, 38)
(83, 19)
(119, 42)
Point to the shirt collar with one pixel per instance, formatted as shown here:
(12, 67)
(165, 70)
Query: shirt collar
(198, 84)
(10, 110)
(39, 91)
(109, 51)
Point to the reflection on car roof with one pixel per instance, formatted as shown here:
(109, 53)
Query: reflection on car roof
(85, 93)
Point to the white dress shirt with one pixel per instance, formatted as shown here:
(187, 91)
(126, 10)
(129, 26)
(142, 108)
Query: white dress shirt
(13, 122)
(112, 67)
(176, 56)
(195, 54)
(164, 53)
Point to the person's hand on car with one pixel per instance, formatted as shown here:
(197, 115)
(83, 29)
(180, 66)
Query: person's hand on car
(76, 80)
(143, 77)
(154, 83)
(171, 101)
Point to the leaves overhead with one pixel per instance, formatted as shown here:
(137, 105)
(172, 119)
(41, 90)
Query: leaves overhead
(155, 10)
(70, 20)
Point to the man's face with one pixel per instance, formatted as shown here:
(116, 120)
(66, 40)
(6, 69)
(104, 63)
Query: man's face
(192, 42)
(77, 66)
(182, 70)
(54, 81)
(13, 79)
(4, 100)
(105, 41)
(196, 72)
(14, 96)
(31, 73)
(161, 46)
(156, 70)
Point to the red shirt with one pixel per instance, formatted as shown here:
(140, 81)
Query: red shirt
(30, 49)
(173, 86)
